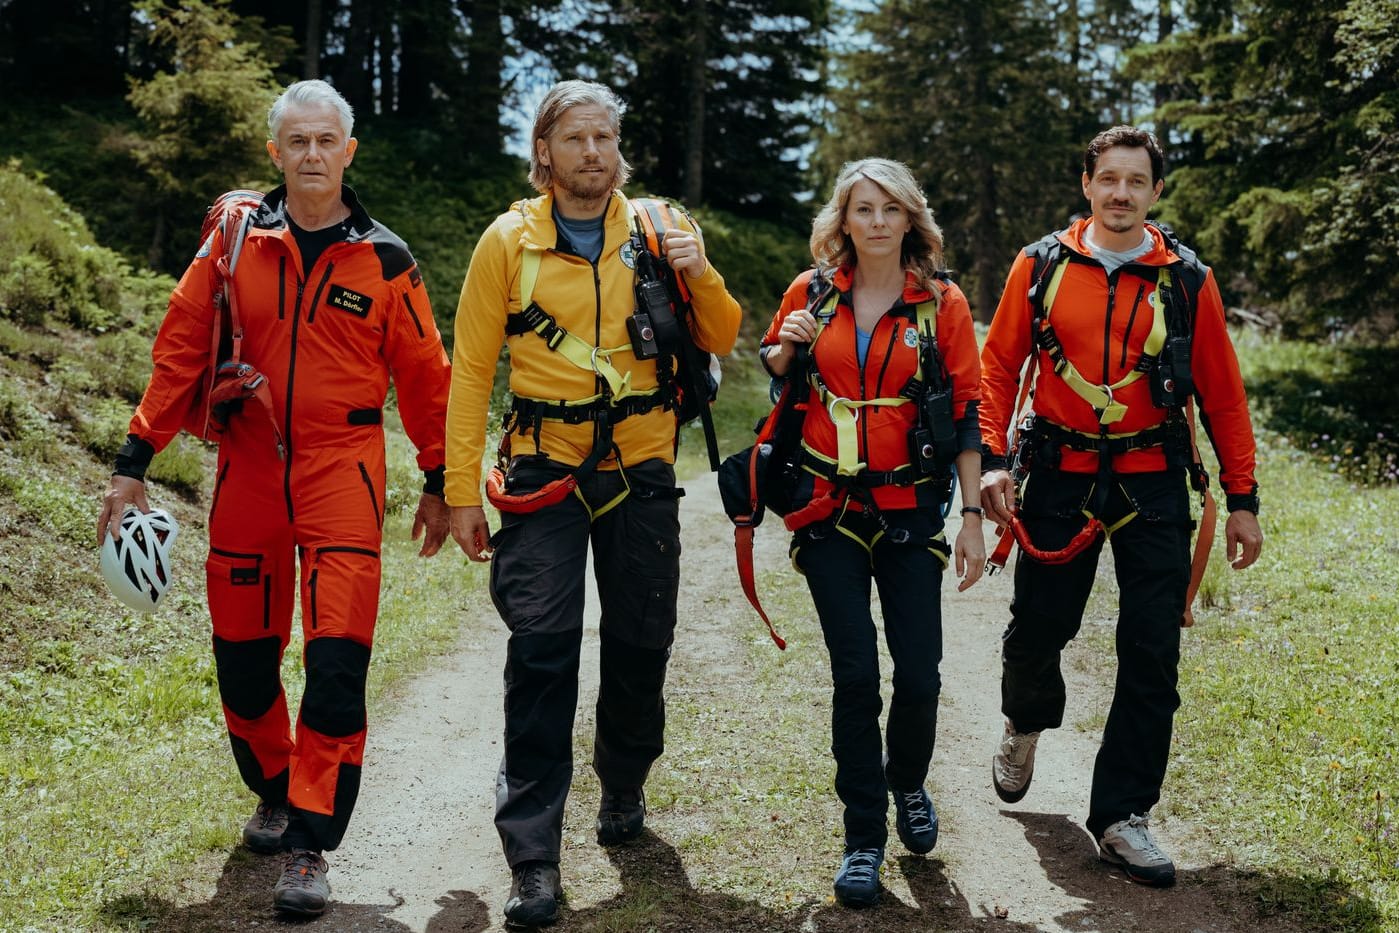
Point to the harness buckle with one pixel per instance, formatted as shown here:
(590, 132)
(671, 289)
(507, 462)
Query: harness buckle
(841, 400)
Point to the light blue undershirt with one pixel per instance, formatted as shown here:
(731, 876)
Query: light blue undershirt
(862, 344)
(584, 236)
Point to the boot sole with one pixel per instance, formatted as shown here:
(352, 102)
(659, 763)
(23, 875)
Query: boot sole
(1009, 796)
(1135, 874)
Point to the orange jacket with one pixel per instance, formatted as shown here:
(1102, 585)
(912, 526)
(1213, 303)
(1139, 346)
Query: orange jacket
(327, 338)
(892, 359)
(1102, 324)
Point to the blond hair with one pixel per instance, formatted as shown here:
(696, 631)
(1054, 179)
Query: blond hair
(563, 97)
(921, 252)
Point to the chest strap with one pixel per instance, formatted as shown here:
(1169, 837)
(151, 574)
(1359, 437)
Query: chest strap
(1099, 395)
(845, 412)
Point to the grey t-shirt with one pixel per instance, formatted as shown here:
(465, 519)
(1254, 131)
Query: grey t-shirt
(1111, 259)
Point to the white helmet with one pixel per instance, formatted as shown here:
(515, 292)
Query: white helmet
(137, 566)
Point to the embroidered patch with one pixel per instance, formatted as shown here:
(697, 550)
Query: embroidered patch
(910, 336)
(628, 255)
(415, 278)
(206, 249)
(346, 300)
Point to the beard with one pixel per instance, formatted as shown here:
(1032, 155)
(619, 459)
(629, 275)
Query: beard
(1119, 224)
(587, 186)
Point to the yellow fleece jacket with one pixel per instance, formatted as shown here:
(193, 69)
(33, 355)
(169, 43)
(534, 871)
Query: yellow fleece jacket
(591, 303)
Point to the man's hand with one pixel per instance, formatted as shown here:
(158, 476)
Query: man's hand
(120, 491)
(432, 516)
(998, 496)
(1243, 538)
(685, 252)
(471, 532)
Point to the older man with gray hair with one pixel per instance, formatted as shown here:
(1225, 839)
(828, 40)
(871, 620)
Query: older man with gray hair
(588, 454)
(330, 305)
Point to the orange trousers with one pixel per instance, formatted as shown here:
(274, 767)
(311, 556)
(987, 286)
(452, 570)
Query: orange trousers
(321, 512)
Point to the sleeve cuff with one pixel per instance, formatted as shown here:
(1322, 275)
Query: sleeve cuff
(1242, 502)
(435, 481)
(992, 461)
(134, 458)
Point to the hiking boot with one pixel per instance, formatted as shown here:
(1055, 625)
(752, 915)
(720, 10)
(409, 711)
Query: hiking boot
(1014, 763)
(621, 816)
(303, 889)
(857, 882)
(916, 820)
(263, 831)
(1129, 844)
(535, 893)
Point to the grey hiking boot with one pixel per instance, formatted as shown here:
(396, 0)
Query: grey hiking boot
(916, 820)
(857, 882)
(1129, 844)
(621, 816)
(535, 892)
(303, 890)
(1014, 763)
(263, 831)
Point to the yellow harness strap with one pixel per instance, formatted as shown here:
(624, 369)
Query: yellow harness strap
(1097, 395)
(844, 412)
(574, 349)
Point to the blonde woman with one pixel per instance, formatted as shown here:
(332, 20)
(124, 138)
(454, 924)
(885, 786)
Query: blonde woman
(885, 340)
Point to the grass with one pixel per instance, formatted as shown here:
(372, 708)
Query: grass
(1284, 742)
(1286, 736)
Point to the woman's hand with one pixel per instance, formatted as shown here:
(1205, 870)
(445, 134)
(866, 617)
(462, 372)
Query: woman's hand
(970, 551)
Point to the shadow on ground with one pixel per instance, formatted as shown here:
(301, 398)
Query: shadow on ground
(242, 900)
(1213, 899)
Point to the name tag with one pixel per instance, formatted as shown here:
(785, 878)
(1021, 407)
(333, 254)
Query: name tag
(346, 300)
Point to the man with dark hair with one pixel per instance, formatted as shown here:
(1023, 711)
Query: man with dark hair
(1125, 331)
(331, 305)
(588, 454)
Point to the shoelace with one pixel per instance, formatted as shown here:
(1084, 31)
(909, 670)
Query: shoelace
(863, 865)
(1020, 745)
(532, 884)
(1142, 840)
(268, 815)
(918, 818)
(304, 866)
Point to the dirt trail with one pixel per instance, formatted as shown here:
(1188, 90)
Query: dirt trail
(422, 854)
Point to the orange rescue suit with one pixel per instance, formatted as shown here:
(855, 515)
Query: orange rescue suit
(328, 339)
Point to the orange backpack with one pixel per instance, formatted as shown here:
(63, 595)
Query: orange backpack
(227, 380)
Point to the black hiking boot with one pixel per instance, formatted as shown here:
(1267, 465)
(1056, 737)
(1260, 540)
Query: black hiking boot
(535, 893)
(621, 816)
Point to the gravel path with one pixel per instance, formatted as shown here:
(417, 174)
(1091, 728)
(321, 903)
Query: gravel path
(422, 854)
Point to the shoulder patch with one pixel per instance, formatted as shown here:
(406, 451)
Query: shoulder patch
(394, 257)
(415, 276)
(206, 248)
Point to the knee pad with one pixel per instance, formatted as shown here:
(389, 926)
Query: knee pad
(249, 674)
(336, 670)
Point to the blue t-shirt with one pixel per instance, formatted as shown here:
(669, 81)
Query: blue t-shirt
(862, 344)
(584, 237)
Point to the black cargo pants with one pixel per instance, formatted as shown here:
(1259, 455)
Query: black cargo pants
(537, 584)
(1151, 556)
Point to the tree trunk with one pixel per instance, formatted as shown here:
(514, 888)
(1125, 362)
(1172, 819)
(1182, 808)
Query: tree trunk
(311, 66)
(485, 59)
(1164, 92)
(694, 128)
